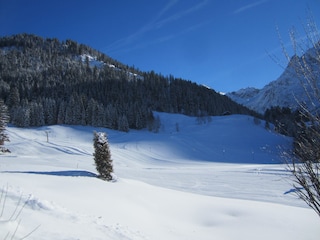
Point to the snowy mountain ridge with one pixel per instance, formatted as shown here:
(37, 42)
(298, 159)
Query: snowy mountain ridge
(289, 90)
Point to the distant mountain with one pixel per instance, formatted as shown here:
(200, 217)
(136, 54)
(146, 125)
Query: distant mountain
(48, 81)
(289, 90)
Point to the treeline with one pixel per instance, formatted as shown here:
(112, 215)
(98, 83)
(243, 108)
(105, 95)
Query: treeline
(47, 81)
(284, 120)
(300, 125)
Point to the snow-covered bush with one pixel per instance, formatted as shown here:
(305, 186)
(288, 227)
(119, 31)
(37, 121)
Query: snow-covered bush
(4, 119)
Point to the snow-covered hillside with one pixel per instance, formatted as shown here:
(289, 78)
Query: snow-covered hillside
(289, 90)
(219, 180)
(93, 62)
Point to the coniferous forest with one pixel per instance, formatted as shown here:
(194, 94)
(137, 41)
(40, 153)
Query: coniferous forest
(48, 81)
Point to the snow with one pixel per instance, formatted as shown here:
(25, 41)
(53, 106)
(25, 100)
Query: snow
(289, 90)
(93, 62)
(101, 137)
(219, 180)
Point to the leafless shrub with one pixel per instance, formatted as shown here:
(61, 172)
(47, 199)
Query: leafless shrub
(13, 216)
(304, 161)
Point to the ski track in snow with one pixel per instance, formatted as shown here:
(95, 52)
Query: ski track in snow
(65, 149)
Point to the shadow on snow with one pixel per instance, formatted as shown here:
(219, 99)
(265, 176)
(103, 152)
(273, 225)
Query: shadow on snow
(69, 173)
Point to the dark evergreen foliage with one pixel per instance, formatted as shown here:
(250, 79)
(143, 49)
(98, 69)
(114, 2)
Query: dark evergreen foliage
(47, 81)
(299, 125)
(284, 120)
(308, 138)
(102, 156)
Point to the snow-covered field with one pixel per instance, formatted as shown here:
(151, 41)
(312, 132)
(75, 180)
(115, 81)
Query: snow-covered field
(219, 180)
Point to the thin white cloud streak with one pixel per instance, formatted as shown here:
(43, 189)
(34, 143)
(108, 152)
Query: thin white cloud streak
(249, 6)
(181, 14)
(168, 7)
(156, 23)
(161, 39)
(184, 31)
(121, 43)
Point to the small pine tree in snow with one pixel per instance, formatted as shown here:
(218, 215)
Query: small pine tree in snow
(4, 119)
(102, 156)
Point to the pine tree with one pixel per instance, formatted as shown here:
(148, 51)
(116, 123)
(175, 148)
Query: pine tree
(102, 156)
(4, 119)
(123, 124)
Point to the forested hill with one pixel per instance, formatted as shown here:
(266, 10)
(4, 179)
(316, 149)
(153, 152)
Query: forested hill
(47, 81)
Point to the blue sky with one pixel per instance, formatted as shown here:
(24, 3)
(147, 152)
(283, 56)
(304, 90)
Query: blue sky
(221, 44)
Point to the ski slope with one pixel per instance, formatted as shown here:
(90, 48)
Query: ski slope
(222, 179)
